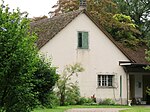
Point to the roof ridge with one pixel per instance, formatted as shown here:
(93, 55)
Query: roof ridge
(67, 13)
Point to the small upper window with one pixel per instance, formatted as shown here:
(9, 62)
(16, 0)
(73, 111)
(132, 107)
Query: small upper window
(83, 40)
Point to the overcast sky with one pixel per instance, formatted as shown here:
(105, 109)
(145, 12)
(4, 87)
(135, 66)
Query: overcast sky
(35, 8)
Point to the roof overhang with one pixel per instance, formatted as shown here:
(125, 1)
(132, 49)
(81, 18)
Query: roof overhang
(134, 67)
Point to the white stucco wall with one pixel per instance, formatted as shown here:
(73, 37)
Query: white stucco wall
(102, 57)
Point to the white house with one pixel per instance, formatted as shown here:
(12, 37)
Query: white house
(111, 70)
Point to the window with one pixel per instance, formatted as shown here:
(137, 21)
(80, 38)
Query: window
(105, 80)
(83, 40)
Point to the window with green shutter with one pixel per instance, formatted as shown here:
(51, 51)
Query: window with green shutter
(83, 40)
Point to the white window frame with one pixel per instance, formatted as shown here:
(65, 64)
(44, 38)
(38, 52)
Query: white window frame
(103, 80)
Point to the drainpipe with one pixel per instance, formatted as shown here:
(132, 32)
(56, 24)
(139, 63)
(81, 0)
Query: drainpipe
(121, 88)
(128, 86)
(128, 90)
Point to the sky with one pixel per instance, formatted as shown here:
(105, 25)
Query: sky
(35, 8)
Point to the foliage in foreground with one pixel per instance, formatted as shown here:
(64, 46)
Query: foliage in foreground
(68, 92)
(22, 71)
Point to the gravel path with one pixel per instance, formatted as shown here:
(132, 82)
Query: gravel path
(95, 110)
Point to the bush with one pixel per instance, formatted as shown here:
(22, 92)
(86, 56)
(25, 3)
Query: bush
(87, 101)
(68, 92)
(72, 95)
(108, 101)
(52, 100)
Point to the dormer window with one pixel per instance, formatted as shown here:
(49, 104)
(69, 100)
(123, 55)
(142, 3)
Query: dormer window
(83, 40)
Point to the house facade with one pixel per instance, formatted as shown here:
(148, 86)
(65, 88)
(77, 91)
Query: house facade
(110, 72)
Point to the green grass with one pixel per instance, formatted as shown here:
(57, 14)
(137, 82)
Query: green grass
(63, 108)
(137, 109)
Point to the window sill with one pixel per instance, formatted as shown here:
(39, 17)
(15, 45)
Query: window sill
(105, 87)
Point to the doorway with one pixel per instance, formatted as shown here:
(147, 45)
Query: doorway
(146, 83)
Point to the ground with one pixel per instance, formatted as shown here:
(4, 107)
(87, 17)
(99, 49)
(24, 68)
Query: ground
(95, 110)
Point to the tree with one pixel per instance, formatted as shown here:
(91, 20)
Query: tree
(102, 10)
(19, 61)
(139, 11)
(106, 13)
(148, 58)
(66, 89)
(126, 32)
(45, 78)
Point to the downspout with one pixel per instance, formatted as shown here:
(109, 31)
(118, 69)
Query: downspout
(127, 88)
(127, 80)
(121, 88)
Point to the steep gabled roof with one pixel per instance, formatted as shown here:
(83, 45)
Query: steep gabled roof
(47, 28)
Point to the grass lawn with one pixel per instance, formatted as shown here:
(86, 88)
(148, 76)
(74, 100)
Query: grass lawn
(137, 109)
(63, 108)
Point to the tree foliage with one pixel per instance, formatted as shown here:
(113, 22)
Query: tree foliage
(19, 64)
(106, 13)
(148, 91)
(45, 78)
(139, 11)
(68, 91)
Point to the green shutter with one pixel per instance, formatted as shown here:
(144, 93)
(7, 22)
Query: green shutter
(85, 40)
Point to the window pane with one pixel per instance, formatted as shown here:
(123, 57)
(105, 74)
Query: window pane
(109, 80)
(80, 39)
(104, 81)
(99, 80)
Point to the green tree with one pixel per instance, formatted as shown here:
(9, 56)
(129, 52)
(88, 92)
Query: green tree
(45, 78)
(127, 32)
(68, 91)
(106, 13)
(139, 11)
(19, 64)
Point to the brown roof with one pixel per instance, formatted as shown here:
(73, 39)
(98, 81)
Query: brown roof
(47, 28)
(138, 54)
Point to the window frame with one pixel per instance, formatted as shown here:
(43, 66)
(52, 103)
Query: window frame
(105, 80)
(83, 40)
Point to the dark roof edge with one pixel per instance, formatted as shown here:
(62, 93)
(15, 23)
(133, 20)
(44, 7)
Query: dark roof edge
(109, 36)
(127, 63)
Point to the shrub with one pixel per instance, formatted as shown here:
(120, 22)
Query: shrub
(67, 91)
(87, 101)
(72, 95)
(52, 100)
(108, 101)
